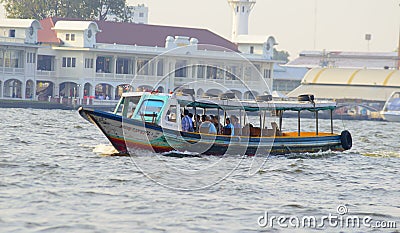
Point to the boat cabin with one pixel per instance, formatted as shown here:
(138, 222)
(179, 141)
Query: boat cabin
(154, 108)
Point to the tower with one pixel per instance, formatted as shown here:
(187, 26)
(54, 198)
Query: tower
(241, 11)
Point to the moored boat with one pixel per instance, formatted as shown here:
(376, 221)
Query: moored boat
(153, 121)
(391, 109)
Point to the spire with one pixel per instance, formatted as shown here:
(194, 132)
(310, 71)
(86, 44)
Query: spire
(241, 11)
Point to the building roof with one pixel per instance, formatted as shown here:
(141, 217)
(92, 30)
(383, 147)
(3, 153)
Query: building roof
(359, 60)
(72, 25)
(324, 91)
(250, 39)
(372, 77)
(17, 23)
(289, 73)
(137, 34)
(337, 83)
(47, 35)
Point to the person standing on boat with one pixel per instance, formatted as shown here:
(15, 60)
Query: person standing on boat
(187, 122)
(207, 126)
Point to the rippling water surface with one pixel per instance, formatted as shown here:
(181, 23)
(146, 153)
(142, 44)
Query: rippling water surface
(56, 177)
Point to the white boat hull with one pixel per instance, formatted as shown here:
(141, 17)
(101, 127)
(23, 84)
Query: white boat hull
(392, 116)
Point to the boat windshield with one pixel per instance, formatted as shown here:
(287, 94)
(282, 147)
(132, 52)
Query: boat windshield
(393, 104)
(126, 106)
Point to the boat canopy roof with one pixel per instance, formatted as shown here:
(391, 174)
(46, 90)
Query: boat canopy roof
(254, 106)
(136, 93)
(246, 105)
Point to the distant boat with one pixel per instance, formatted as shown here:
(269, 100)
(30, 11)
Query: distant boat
(152, 121)
(391, 110)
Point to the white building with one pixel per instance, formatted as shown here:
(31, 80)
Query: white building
(139, 14)
(286, 78)
(134, 14)
(347, 75)
(18, 57)
(2, 12)
(246, 43)
(350, 84)
(343, 59)
(101, 59)
(241, 11)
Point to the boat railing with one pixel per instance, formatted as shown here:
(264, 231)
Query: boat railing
(152, 115)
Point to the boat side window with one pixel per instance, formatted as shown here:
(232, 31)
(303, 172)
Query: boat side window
(171, 113)
(131, 108)
(150, 106)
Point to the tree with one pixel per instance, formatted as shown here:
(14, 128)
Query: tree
(28, 9)
(127, 15)
(114, 7)
(281, 55)
(82, 9)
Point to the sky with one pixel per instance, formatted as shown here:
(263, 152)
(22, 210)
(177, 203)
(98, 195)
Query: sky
(297, 25)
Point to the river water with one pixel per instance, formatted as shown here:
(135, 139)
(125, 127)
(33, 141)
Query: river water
(56, 176)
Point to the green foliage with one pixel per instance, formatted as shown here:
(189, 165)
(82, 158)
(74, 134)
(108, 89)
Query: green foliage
(81, 9)
(281, 55)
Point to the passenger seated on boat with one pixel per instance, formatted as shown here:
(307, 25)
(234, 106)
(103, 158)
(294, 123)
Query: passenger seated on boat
(172, 117)
(228, 129)
(203, 119)
(236, 125)
(207, 126)
(215, 121)
(246, 130)
(267, 132)
(197, 122)
(275, 128)
(131, 113)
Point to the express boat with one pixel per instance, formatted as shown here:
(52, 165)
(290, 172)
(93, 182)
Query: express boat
(391, 109)
(152, 121)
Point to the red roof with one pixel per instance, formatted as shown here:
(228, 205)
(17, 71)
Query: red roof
(46, 35)
(137, 34)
